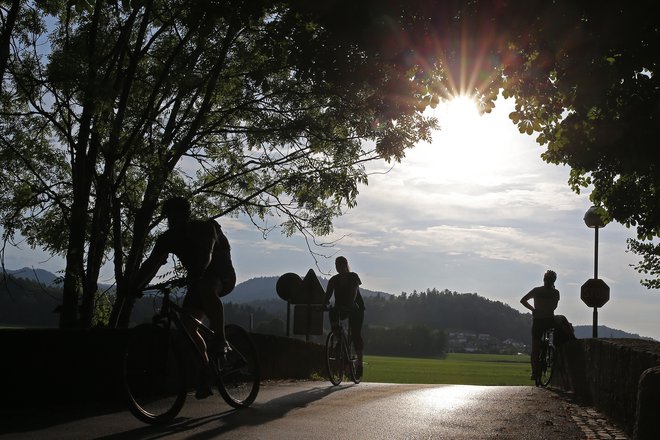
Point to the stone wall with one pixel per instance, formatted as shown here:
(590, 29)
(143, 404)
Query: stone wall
(606, 373)
(287, 358)
(46, 366)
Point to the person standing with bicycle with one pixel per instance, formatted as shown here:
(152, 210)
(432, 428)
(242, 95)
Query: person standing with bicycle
(546, 298)
(348, 304)
(205, 253)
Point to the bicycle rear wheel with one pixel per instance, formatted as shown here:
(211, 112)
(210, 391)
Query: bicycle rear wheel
(153, 371)
(240, 376)
(334, 358)
(353, 363)
(546, 365)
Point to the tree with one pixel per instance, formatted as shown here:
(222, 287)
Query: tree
(585, 79)
(271, 108)
(246, 107)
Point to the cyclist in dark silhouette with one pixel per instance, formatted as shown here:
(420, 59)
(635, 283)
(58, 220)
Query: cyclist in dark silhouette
(545, 299)
(204, 251)
(345, 287)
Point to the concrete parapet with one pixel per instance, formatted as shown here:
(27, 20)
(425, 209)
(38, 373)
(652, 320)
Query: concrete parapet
(647, 425)
(52, 366)
(287, 358)
(606, 373)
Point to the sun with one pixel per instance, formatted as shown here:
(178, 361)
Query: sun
(469, 148)
(459, 113)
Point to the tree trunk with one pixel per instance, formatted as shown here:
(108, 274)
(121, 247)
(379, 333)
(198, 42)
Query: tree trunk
(100, 229)
(5, 37)
(75, 269)
(83, 170)
(121, 310)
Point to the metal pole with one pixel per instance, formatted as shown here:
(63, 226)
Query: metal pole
(595, 324)
(595, 329)
(596, 255)
(288, 319)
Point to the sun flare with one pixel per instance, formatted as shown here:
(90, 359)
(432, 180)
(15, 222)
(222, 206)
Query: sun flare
(469, 148)
(459, 113)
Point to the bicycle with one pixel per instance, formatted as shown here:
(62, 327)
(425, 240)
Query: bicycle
(546, 359)
(341, 359)
(157, 358)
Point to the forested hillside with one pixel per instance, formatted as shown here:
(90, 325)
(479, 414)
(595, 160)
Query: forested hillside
(264, 288)
(41, 276)
(417, 323)
(26, 303)
(446, 310)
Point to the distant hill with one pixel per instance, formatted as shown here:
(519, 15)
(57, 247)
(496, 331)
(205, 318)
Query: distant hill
(41, 276)
(586, 331)
(263, 288)
(32, 295)
(28, 303)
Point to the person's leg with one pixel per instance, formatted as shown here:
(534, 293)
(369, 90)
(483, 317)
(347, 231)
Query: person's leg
(192, 326)
(355, 320)
(210, 291)
(192, 305)
(205, 379)
(334, 318)
(536, 341)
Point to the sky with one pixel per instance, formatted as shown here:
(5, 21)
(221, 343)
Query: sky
(474, 211)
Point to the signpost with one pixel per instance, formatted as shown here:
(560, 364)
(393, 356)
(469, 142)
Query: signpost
(307, 297)
(595, 292)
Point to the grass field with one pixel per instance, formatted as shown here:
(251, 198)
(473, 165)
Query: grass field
(456, 368)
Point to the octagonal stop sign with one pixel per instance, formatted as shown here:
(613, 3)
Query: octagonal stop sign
(595, 293)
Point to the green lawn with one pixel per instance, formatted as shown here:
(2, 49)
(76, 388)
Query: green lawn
(456, 368)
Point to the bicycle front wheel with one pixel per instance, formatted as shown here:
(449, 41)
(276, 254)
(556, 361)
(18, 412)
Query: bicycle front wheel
(334, 358)
(546, 365)
(154, 376)
(240, 375)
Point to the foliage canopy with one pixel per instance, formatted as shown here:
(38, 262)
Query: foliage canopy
(246, 107)
(271, 108)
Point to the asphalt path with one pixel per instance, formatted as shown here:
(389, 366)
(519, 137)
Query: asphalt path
(317, 410)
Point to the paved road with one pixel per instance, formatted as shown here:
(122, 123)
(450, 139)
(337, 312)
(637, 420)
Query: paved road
(315, 410)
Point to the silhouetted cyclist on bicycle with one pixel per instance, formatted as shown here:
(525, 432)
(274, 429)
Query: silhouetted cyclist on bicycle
(348, 304)
(545, 299)
(205, 253)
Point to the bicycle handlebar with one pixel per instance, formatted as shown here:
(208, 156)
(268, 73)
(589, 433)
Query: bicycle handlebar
(164, 286)
(329, 307)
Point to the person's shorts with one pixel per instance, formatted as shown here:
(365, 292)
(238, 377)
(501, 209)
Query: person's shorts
(540, 325)
(193, 298)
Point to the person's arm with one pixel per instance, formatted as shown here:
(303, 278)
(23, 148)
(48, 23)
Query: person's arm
(151, 265)
(556, 302)
(359, 301)
(204, 251)
(525, 301)
(329, 291)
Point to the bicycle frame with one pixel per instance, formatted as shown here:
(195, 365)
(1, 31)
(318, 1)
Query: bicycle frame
(344, 339)
(546, 358)
(172, 311)
(236, 372)
(548, 336)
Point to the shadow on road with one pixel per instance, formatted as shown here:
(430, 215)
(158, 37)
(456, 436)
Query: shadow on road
(42, 416)
(217, 424)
